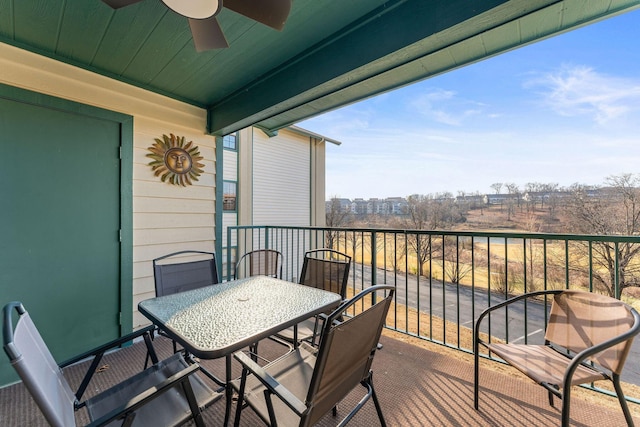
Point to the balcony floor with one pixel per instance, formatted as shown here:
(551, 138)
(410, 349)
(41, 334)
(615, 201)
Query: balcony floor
(422, 384)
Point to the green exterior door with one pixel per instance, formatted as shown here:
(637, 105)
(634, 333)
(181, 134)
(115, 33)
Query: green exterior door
(60, 218)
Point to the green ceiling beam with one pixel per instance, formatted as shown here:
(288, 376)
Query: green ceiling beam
(398, 44)
(530, 27)
(332, 63)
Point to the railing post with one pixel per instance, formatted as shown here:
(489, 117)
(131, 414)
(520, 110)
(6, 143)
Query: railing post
(229, 229)
(374, 261)
(267, 243)
(616, 285)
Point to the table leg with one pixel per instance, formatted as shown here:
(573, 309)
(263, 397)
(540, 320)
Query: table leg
(228, 390)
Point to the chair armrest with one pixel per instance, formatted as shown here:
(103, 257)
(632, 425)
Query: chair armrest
(271, 383)
(108, 346)
(487, 311)
(98, 352)
(147, 395)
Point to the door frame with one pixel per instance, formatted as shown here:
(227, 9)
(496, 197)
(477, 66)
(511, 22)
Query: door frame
(125, 123)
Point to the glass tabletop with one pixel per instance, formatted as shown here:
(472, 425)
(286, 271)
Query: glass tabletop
(217, 320)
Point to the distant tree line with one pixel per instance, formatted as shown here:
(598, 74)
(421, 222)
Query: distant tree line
(610, 209)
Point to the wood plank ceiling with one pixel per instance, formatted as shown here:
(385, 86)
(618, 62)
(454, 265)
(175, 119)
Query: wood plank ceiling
(330, 53)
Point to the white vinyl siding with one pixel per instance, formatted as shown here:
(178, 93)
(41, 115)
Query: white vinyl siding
(281, 180)
(230, 165)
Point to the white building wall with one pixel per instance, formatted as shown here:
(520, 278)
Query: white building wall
(230, 165)
(166, 218)
(281, 179)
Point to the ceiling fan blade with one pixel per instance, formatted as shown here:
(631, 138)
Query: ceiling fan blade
(207, 34)
(117, 4)
(272, 13)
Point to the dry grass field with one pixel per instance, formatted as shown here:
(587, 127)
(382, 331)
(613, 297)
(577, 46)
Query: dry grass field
(545, 263)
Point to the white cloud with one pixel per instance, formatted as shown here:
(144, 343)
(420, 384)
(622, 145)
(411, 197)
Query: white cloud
(581, 91)
(444, 106)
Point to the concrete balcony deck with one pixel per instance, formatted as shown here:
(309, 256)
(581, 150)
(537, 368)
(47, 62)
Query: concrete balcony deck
(418, 383)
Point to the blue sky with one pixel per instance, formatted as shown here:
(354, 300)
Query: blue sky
(565, 110)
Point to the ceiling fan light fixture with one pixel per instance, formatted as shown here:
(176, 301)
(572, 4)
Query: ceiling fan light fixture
(195, 9)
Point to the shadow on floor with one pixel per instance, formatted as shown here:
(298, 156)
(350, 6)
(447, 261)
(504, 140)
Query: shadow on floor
(416, 387)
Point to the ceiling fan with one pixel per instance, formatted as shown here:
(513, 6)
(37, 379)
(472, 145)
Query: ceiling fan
(205, 29)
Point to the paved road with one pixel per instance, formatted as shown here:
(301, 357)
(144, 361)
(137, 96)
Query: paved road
(461, 304)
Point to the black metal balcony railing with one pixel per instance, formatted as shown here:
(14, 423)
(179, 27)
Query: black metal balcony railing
(444, 279)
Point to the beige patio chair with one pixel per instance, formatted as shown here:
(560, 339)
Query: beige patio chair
(265, 262)
(325, 269)
(165, 394)
(587, 338)
(300, 387)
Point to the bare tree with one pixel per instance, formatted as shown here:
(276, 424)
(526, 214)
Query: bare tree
(428, 212)
(531, 191)
(551, 189)
(613, 210)
(497, 186)
(514, 198)
(336, 216)
(457, 262)
(420, 216)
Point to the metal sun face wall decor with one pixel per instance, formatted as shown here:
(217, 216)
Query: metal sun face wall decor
(175, 161)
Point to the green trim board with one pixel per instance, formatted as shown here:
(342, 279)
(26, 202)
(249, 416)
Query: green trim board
(219, 199)
(399, 29)
(126, 223)
(466, 40)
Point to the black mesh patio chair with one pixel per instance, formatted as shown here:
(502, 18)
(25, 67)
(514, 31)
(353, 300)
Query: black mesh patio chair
(261, 262)
(165, 394)
(325, 269)
(587, 338)
(299, 388)
(173, 275)
(180, 276)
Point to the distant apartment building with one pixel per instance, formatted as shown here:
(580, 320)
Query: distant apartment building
(399, 205)
(373, 206)
(499, 199)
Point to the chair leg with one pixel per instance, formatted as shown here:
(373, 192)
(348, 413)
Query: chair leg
(375, 401)
(622, 400)
(253, 352)
(151, 352)
(239, 402)
(272, 414)
(193, 404)
(550, 398)
(128, 421)
(566, 406)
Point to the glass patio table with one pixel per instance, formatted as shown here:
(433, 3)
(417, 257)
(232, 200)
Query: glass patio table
(218, 320)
